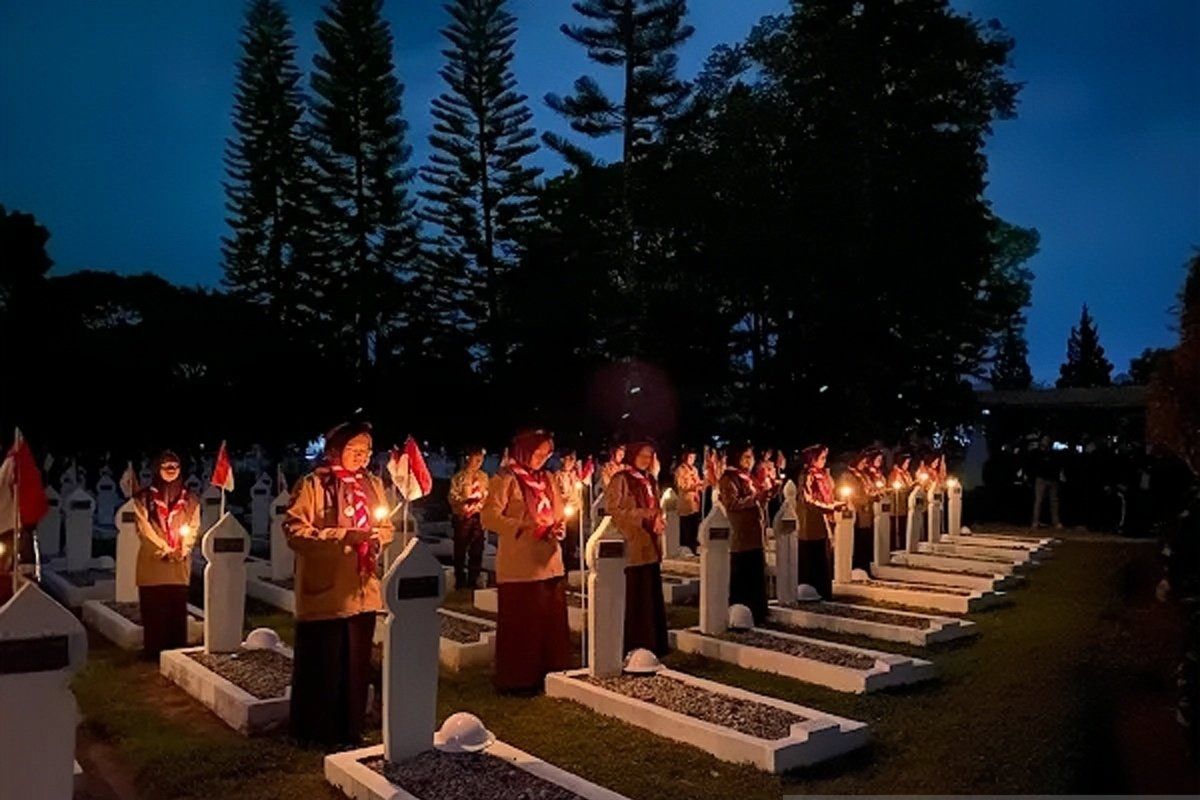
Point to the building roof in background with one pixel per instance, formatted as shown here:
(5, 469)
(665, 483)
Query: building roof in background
(1115, 397)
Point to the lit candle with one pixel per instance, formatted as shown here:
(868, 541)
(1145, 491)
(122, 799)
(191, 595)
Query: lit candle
(845, 492)
(952, 482)
(381, 513)
(569, 509)
(185, 531)
(897, 485)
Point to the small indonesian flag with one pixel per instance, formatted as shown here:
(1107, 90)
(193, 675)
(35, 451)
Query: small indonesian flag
(22, 496)
(222, 475)
(410, 475)
(129, 481)
(585, 472)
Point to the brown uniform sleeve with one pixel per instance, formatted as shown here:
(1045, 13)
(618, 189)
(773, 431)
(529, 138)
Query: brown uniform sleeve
(146, 530)
(731, 499)
(492, 516)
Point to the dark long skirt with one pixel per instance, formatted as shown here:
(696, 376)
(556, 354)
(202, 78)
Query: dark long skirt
(532, 637)
(864, 548)
(898, 536)
(815, 566)
(689, 532)
(330, 674)
(570, 542)
(164, 617)
(468, 551)
(748, 582)
(645, 609)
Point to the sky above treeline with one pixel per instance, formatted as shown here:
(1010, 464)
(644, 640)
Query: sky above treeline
(114, 116)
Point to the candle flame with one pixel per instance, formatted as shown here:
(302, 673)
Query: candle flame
(896, 485)
(845, 491)
(569, 509)
(381, 513)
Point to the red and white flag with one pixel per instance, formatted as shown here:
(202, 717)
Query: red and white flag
(22, 496)
(410, 475)
(129, 481)
(585, 472)
(222, 475)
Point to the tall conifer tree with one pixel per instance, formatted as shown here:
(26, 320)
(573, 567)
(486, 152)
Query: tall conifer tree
(1086, 364)
(360, 155)
(481, 188)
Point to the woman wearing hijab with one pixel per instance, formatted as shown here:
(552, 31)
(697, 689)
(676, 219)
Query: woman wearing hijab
(634, 508)
(337, 525)
(863, 493)
(524, 510)
(745, 502)
(570, 491)
(900, 483)
(688, 486)
(814, 540)
(168, 522)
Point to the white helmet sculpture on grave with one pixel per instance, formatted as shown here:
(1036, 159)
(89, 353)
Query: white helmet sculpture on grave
(740, 617)
(462, 732)
(641, 662)
(806, 593)
(262, 639)
(859, 575)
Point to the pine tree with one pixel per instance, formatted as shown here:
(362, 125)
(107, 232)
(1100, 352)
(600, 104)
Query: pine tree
(1010, 365)
(1085, 365)
(482, 191)
(640, 37)
(265, 165)
(360, 155)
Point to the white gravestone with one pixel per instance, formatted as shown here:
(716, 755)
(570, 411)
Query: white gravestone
(933, 528)
(883, 532)
(915, 524)
(670, 507)
(225, 545)
(405, 530)
(49, 528)
(787, 558)
(127, 553)
(843, 545)
(606, 600)
(714, 571)
(210, 507)
(107, 498)
(412, 589)
(282, 557)
(260, 507)
(80, 508)
(68, 483)
(954, 497)
(41, 646)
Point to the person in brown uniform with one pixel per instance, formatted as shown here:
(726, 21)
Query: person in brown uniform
(900, 483)
(688, 486)
(814, 539)
(862, 497)
(468, 488)
(633, 506)
(337, 525)
(525, 512)
(168, 522)
(744, 502)
(570, 489)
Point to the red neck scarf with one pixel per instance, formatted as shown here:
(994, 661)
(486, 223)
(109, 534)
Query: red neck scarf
(351, 484)
(535, 490)
(167, 513)
(822, 484)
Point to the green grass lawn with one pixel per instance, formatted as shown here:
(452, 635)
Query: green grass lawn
(1069, 689)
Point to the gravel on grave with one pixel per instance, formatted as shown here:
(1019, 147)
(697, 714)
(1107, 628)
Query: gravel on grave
(88, 577)
(973, 571)
(932, 588)
(744, 716)
(858, 612)
(265, 674)
(461, 630)
(130, 611)
(434, 775)
(779, 644)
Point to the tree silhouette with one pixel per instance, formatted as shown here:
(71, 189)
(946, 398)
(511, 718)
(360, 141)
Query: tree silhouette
(1010, 369)
(1086, 365)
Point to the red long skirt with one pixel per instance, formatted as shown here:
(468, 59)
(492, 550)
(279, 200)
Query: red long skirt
(532, 637)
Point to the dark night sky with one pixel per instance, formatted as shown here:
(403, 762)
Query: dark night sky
(113, 118)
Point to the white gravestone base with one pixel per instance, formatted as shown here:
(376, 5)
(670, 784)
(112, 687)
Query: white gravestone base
(970, 578)
(356, 780)
(818, 738)
(260, 588)
(456, 656)
(809, 616)
(104, 586)
(1000, 566)
(239, 709)
(127, 634)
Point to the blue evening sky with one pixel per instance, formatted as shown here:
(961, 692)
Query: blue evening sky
(114, 115)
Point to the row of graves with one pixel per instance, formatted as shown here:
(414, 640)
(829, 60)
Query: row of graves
(917, 596)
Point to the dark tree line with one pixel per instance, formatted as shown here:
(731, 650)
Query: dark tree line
(793, 245)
